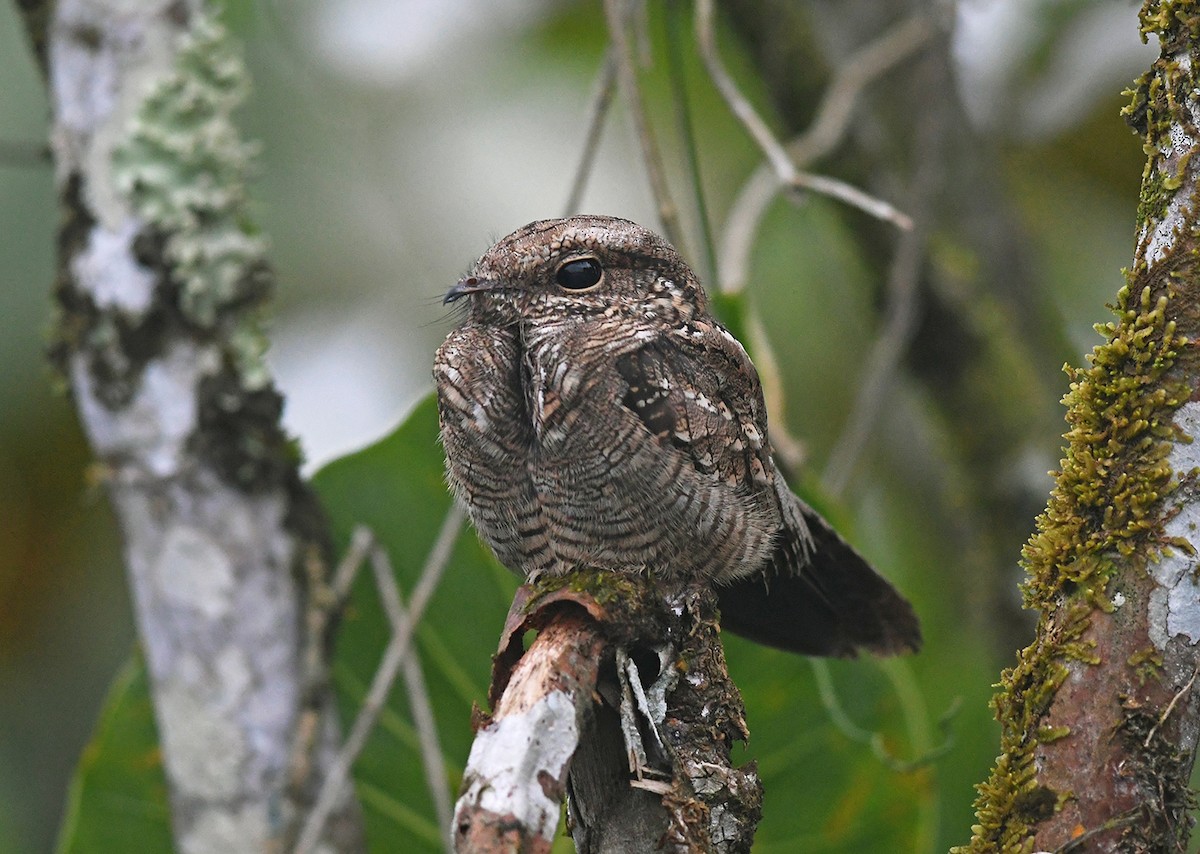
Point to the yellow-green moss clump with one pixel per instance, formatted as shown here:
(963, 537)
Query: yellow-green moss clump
(1107, 505)
(1106, 501)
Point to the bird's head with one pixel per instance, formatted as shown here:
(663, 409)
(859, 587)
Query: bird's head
(580, 267)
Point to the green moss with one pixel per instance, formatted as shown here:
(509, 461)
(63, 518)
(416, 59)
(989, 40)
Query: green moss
(1146, 663)
(1107, 505)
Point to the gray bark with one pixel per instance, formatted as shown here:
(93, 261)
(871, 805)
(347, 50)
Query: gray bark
(160, 290)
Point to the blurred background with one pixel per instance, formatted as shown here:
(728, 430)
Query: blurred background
(401, 137)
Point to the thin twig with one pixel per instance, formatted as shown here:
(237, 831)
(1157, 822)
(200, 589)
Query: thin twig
(385, 677)
(686, 130)
(851, 78)
(431, 749)
(615, 15)
(833, 118)
(900, 314)
(841, 721)
(326, 599)
(1126, 819)
(777, 156)
(898, 327)
(741, 229)
(362, 541)
(1171, 706)
(602, 97)
(418, 695)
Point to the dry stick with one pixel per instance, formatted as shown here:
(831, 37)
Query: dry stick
(685, 128)
(1170, 706)
(324, 602)
(851, 78)
(431, 749)
(602, 98)
(418, 695)
(898, 328)
(614, 14)
(385, 677)
(900, 319)
(746, 213)
(781, 163)
(826, 131)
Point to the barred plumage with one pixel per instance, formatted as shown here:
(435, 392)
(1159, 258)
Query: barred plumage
(593, 412)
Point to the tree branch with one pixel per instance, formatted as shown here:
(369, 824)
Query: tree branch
(1099, 725)
(161, 284)
(597, 707)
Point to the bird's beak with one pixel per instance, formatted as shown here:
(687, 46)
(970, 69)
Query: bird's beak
(469, 285)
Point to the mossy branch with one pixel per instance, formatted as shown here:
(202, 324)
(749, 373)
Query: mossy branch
(624, 702)
(1099, 724)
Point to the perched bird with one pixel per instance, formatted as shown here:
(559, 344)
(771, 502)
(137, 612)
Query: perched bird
(594, 413)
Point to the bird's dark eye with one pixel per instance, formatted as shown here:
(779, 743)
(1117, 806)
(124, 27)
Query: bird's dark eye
(580, 274)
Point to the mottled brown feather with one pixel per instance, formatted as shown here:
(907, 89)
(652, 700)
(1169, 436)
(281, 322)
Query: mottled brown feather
(620, 425)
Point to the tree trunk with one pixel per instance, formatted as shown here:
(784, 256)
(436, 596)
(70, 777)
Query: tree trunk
(1099, 717)
(160, 288)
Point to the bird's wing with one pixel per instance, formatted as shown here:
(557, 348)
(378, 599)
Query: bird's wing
(815, 594)
(697, 391)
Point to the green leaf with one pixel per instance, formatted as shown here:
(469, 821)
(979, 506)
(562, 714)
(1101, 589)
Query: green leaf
(118, 797)
(396, 488)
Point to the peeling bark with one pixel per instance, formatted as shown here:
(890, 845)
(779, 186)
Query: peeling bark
(160, 289)
(623, 703)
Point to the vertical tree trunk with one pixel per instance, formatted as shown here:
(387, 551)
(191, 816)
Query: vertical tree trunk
(1099, 716)
(160, 288)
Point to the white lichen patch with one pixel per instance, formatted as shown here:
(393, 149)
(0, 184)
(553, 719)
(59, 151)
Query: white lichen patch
(183, 166)
(203, 750)
(1175, 602)
(1162, 239)
(107, 270)
(193, 571)
(508, 758)
(104, 55)
(155, 425)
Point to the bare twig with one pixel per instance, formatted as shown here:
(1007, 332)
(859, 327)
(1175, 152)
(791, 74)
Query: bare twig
(833, 118)
(851, 78)
(683, 119)
(898, 327)
(385, 677)
(602, 97)
(615, 13)
(842, 722)
(1171, 706)
(1081, 842)
(326, 599)
(900, 317)
(418, 695)
(781, 163)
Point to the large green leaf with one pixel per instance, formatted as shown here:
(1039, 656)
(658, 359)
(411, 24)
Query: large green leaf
(396, 488)
(118, 798)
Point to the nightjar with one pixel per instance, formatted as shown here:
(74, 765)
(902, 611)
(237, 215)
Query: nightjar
(595, 413)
